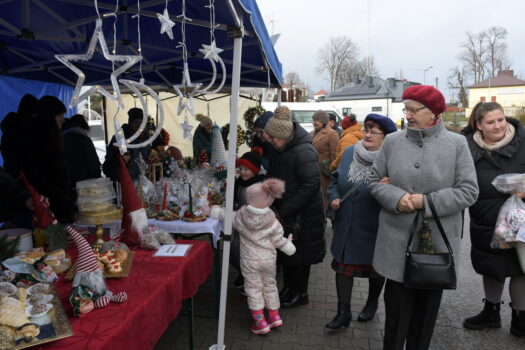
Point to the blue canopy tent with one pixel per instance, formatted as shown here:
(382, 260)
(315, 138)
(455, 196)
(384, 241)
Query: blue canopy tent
(33, 31)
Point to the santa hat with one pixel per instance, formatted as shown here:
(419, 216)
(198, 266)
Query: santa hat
(43, 215)
(87, 261)
(262, 194)
(134, 218)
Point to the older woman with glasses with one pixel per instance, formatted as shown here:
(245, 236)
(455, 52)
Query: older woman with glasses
(423, 159)
(355, 225)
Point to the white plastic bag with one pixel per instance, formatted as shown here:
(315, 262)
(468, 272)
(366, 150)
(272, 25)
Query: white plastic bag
(512, 214)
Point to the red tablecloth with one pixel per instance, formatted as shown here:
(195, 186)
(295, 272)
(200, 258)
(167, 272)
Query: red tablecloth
(156, 288)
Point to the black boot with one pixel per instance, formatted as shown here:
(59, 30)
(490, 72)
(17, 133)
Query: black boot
(489, 317)
(517, 325)
(294, 299)
(374, 290)
(342, 319)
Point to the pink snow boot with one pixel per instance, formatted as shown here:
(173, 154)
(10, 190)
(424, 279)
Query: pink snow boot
(260, 326)
(274, 320)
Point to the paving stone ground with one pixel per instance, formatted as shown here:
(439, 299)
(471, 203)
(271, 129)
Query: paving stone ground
(304, 326)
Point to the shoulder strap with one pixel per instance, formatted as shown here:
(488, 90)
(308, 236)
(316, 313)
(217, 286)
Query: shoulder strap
(438, 222)
(413, 230)
(351, 190)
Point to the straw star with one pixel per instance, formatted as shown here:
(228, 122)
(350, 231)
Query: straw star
(166, 24)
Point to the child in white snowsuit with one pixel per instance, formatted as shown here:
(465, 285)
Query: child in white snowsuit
(260, 234)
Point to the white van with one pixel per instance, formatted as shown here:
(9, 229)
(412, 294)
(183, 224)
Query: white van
(302, 112)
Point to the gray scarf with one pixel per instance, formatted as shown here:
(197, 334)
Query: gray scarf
(362, 163)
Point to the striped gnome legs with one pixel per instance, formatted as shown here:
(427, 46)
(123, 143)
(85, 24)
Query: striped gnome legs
(260, 284)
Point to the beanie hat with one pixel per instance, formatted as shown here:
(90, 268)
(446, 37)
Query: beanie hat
(262, 120)
(262, 194)
(134, 218)
(50, 106)
(347, 122)
(76, 121)
(427, 95)
(28, 106)
(135, 113)
(385, 124)
(203, 120)
(251, 160)
(321, 116)
(280, 125)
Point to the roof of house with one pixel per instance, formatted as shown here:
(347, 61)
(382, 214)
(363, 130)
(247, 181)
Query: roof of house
(504, 78)
(320, 92)
(371, 88)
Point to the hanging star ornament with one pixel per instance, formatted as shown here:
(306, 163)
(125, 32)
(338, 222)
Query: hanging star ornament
(166, 24)
(186, 103)
(186, 127)
(211, 51)
(98, 36)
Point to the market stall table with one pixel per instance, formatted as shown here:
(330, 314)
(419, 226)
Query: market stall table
(156, 288)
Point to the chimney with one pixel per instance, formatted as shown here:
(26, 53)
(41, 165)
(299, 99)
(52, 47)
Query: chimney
(509, 73)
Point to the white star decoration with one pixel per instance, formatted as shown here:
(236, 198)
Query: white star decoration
(98, 36)
(211, 51)
(186, 127)
(186, 82)
(166, 23)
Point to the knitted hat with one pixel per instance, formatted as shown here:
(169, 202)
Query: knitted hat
(334, 119)
(427, 95)
(280, 125)
(321, 116)
(262, 120)
(385, 124)
(348, 121)
(251, 160)
(203, 120)
(134, 218)
(262, 194)
(135, 113)
(50, 106)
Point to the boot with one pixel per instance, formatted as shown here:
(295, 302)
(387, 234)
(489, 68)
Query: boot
(368, 311)
(260, 326)
(274, 319)
(342, 319)
(517, 324)
(295, 299)
(489, 317)
(374, 290)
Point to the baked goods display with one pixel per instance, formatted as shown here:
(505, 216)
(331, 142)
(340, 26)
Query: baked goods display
(167, 215)
(95, 195)
(192, 217)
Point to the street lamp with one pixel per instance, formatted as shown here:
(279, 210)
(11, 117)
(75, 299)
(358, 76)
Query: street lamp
(424, 74)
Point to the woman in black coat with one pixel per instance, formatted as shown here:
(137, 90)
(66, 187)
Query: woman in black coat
(497, 145)
(79, 150)
(300, 210)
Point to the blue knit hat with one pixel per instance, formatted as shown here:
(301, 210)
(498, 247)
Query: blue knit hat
(386, 124)
(262, 120)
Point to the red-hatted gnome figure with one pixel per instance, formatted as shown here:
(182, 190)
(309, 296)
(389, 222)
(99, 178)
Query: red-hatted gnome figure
(134, 219)
(89, 273)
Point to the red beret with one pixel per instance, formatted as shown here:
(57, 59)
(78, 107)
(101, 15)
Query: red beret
(427, 95)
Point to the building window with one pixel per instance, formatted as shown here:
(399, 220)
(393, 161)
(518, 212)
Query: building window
(377, 109)
(482, 99)
(492, 98)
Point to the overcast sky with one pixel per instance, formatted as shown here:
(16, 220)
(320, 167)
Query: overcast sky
(407, 35)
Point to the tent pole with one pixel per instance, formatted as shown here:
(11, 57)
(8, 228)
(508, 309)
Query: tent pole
(228, 217)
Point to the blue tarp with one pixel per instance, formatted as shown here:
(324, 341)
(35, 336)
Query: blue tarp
(31, 33)
(13, 89)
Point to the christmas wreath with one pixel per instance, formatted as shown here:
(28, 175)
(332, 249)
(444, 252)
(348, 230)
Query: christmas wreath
(249, 121)
(225, 132)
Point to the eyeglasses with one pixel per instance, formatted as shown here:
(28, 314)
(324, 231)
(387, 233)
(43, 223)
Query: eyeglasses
(373, 132)
(411, 110)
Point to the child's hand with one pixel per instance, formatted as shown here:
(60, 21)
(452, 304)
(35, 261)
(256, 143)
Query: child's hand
(290, 237)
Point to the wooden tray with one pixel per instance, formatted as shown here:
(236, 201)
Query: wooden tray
(126, 268)
(166, 218)
(194, 219)
(59, 327)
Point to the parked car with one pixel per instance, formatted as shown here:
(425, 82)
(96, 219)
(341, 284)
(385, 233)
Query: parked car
(302, 112)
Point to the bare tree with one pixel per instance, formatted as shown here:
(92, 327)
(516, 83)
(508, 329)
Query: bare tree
(338, 53)
(473, 56)
(293, 79)
(496, 50)
(457, 81)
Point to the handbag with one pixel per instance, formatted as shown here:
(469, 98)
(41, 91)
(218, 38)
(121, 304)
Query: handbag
(330, 213)
(325, 167)
(429, 271)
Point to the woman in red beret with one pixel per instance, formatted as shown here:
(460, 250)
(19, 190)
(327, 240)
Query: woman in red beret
(421, 162)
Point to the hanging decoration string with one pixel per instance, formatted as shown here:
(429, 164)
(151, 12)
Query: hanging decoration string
(182, 44)
(139, 41)
(96, 9)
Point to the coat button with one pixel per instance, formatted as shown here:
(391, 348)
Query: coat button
(416, 165)
(414, 188)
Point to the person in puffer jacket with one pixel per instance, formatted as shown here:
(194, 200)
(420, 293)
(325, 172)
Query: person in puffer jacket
(260, 234)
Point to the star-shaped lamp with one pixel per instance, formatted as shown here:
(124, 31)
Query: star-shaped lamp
(166, 23)
(186, 127)
(98, 36)
(186, 82)
(211, 51)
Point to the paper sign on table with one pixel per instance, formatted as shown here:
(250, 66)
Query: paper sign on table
(173, 250)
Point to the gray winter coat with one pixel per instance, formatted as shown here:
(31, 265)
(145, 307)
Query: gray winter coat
(432, 161)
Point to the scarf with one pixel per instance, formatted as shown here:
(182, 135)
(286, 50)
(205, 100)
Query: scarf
(509, 135)
(362, 163)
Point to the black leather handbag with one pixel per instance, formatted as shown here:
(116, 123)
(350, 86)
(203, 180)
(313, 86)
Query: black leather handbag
(429, 271)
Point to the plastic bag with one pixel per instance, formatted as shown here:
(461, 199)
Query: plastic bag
(511, 217)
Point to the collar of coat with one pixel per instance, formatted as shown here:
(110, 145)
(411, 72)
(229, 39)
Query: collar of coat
(321, 134)
(420, 135)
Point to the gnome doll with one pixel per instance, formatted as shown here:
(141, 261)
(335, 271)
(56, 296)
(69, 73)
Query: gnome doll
(134, 219)
(88, 273)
